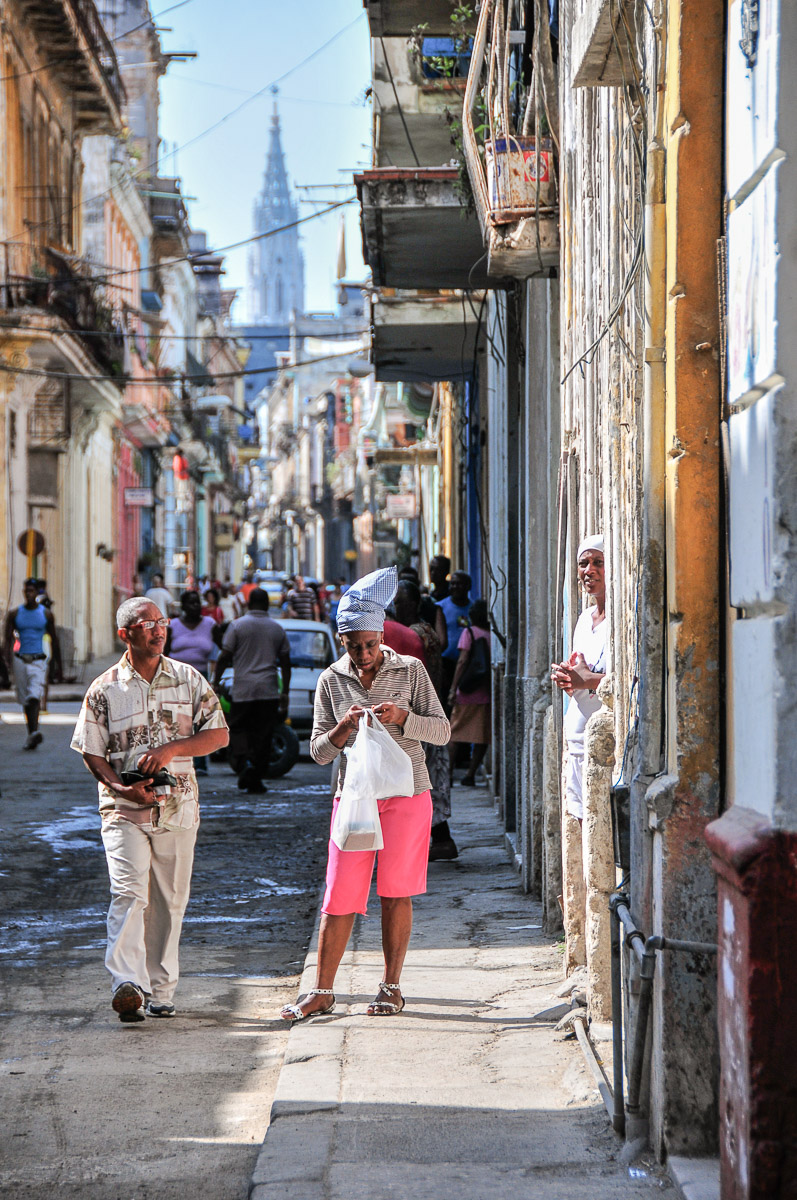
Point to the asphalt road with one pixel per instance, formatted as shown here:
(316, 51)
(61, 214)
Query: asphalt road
(162, 1109)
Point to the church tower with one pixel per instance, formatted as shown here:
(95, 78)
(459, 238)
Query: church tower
(276, 265)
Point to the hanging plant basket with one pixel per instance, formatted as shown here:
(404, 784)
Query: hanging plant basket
(514, 190)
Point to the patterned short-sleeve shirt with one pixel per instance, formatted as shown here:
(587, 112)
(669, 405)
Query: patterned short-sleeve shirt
(122, 712)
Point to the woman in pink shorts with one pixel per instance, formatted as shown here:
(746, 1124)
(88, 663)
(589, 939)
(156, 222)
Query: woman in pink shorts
(397, 688)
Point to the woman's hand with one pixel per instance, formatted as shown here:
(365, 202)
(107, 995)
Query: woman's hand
(389, 714)
(349, 721)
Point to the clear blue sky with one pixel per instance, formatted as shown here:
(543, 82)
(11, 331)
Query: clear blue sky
(242, 46)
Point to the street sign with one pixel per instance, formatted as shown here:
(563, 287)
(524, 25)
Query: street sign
(139, 497)
(401, 507)
(350, 555)
(31, 542)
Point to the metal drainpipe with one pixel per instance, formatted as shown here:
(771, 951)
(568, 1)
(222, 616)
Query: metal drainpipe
(645, 950)
(618, 1110)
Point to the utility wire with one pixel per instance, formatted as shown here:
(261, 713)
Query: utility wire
(75, 55)
(156, 162)
(181, 337)
(398, 102)
(196, 256)
(201, 378)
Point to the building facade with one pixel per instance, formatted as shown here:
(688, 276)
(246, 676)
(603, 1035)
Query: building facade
(627, 223)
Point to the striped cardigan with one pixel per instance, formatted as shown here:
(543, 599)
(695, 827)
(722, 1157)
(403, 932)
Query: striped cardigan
(401, 680)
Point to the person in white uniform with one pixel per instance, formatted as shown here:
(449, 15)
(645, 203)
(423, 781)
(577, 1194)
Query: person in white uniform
(580, 676)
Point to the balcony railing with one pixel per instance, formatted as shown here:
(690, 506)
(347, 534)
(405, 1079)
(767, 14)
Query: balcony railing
(60, 25)
(510, 140)
(92, 28)
(42, 277)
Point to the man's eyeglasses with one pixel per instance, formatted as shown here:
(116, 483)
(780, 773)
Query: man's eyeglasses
(162, 623)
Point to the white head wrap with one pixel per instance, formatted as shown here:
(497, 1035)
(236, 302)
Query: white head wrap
(364, 603)
(594, 542)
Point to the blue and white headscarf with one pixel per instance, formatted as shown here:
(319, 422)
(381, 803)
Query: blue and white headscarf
(364, 603)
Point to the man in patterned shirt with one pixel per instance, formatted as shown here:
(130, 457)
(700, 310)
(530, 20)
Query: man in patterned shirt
(141, 723)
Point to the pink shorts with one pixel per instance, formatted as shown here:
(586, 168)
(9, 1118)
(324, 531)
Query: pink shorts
(401, 868)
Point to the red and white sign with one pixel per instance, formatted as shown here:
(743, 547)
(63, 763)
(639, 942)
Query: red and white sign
(139, 497)
(401, 507)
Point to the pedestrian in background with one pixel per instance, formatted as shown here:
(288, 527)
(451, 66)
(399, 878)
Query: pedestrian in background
(398, 689)
(408, 611)
(439, 568)
(452, 618)
(302, 603)
(426, 610)
(471, 708)
(255, 646)
(30, 623)
(242, 595)
(190, 640)
(161, 596)
(211, 607)
(227, 603)
(147, 715)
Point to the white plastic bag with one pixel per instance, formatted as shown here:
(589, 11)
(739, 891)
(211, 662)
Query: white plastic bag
(376, 767)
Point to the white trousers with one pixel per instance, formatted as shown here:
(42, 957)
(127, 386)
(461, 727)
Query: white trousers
(574, 781)
(150, 873)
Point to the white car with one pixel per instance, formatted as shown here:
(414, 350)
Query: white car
(313, 649)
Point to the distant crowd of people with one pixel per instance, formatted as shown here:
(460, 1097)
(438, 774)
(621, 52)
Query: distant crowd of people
(290, 596)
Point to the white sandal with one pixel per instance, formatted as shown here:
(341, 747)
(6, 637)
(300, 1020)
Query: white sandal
(296, 1014)
(384, 1008)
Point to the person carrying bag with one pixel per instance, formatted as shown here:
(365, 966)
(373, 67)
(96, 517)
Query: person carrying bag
(470, 695)
(373, 703)
(376, 768)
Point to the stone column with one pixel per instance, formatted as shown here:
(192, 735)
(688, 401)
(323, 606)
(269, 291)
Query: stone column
(599, 870)
(551, 830)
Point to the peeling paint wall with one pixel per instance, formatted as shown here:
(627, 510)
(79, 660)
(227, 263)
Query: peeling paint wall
(621, 387)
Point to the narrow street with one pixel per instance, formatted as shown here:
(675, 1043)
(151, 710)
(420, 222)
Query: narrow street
(97, 1109)
(468, 1093)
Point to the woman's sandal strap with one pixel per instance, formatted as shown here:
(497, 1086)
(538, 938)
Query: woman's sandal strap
(321, 992)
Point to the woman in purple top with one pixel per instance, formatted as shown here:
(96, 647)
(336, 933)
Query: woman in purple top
(191, 635)
(191, 641)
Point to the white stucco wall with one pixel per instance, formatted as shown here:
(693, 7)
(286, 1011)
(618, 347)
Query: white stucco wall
(762, 342)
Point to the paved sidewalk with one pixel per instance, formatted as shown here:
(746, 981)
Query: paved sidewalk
(464, 1096)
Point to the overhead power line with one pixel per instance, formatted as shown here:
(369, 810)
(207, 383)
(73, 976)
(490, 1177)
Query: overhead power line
(209, 252)
(234, 336)
(175, 380)
(76, 54)
(161, 158)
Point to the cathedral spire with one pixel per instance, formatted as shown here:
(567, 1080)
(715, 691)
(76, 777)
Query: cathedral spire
(276, 265)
